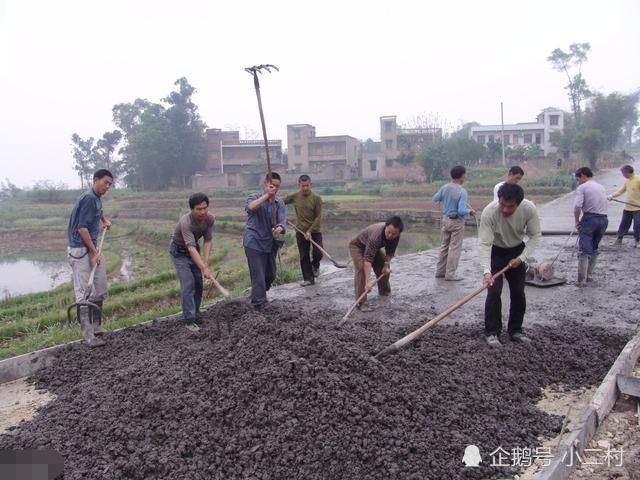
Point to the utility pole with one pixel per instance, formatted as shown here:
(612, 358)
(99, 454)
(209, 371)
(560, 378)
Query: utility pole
(504, 162)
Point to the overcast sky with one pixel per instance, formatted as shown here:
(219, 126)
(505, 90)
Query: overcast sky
(343, 64)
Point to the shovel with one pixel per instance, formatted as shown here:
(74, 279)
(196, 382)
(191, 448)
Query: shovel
(315, 244)
(346, 315)
(85, 302)
(420, 331)
(626, 203)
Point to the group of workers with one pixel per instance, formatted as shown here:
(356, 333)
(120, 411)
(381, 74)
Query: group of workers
(504, 225)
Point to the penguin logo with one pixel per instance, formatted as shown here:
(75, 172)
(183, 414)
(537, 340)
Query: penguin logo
(472, 456)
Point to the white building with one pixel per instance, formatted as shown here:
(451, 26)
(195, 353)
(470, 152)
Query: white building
(539, 133)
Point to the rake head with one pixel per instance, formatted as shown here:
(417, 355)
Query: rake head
(260, 68)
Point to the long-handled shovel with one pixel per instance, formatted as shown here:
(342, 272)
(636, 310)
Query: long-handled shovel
(420, 331)
(215, 284)
(324, 252)
(85, 302)
(352, 308)
(626, 203)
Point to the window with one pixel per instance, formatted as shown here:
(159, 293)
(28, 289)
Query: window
(298, 149)
(538, 138)
(387, 126)
(516, 139)
(388, 144)
(480, 139)
(527, 138)
(491, 138)
(373, 165)
(554, 119)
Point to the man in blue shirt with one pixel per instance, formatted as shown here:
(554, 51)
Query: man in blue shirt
(453, 200)
(262, 237)
(85, 223)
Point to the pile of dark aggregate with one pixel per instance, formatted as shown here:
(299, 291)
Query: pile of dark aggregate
(285, 395)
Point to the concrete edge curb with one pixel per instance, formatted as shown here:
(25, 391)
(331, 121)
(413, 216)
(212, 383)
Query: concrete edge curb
(599, 407)
(24, 365)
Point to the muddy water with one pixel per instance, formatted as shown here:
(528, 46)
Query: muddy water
(21, 276)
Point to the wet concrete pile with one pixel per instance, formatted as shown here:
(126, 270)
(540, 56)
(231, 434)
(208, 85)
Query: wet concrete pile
(285, 395)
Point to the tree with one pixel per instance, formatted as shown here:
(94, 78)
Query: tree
(563, 139)
(103, 154)
(464, 129)
(577, 86)
(161, 144)
(437, 160)
(613, 115)
(590, 143)
(83, 151)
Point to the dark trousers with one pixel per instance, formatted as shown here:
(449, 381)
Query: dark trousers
(307, 264)
(500, 257)
(625, 223)
(592, 229)
(191, 287)
(262, 269)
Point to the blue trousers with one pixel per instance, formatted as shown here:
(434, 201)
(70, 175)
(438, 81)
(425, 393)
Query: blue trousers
(190, 278)
(262, 269)
(627, 217)
(592, 229)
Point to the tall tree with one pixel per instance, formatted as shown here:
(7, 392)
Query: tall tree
(590, 143)
(189, 128)
(612, 114)
(104, 152)
(83, 154)
(571, 64)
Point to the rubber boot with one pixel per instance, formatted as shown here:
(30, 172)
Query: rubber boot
(583, 265)
(593, 259)
(97, 320)
(86, 327)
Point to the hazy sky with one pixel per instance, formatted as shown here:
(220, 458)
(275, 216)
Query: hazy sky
(343, 64)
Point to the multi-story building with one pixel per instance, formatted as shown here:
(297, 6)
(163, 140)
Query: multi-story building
(397, 141)
(334, 157)
(226, 153)
(549, 121)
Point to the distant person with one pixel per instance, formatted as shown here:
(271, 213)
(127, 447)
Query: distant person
(308, 207)
(262, 237)
(453, 204)
(85, 223)
(503, 226)
(184, 249)
(591, 202)
(514, 175)
(631, 211)
(366, 252)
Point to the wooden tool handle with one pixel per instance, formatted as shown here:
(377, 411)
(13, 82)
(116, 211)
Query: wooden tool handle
(346, 315)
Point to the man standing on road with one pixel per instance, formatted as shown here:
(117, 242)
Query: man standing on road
(453, 200)
(185, 254)
(262, 237)
(631, 211)
(514, 175)
(503, 226)
(591, 201)
(308, 207)
(85, 224)
(366, 252)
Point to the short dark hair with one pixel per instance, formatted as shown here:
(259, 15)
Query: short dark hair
(586, 171)
(458, 171)
(197, 199)
(395, 221)
(627, 169)
(304, 178)
(516, 170)
(511, 191)
(101, 173)
(274, 176)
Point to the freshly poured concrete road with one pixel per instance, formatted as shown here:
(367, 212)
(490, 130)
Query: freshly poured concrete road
(417, 295)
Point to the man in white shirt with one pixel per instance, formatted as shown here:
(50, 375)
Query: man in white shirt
(514, 175)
